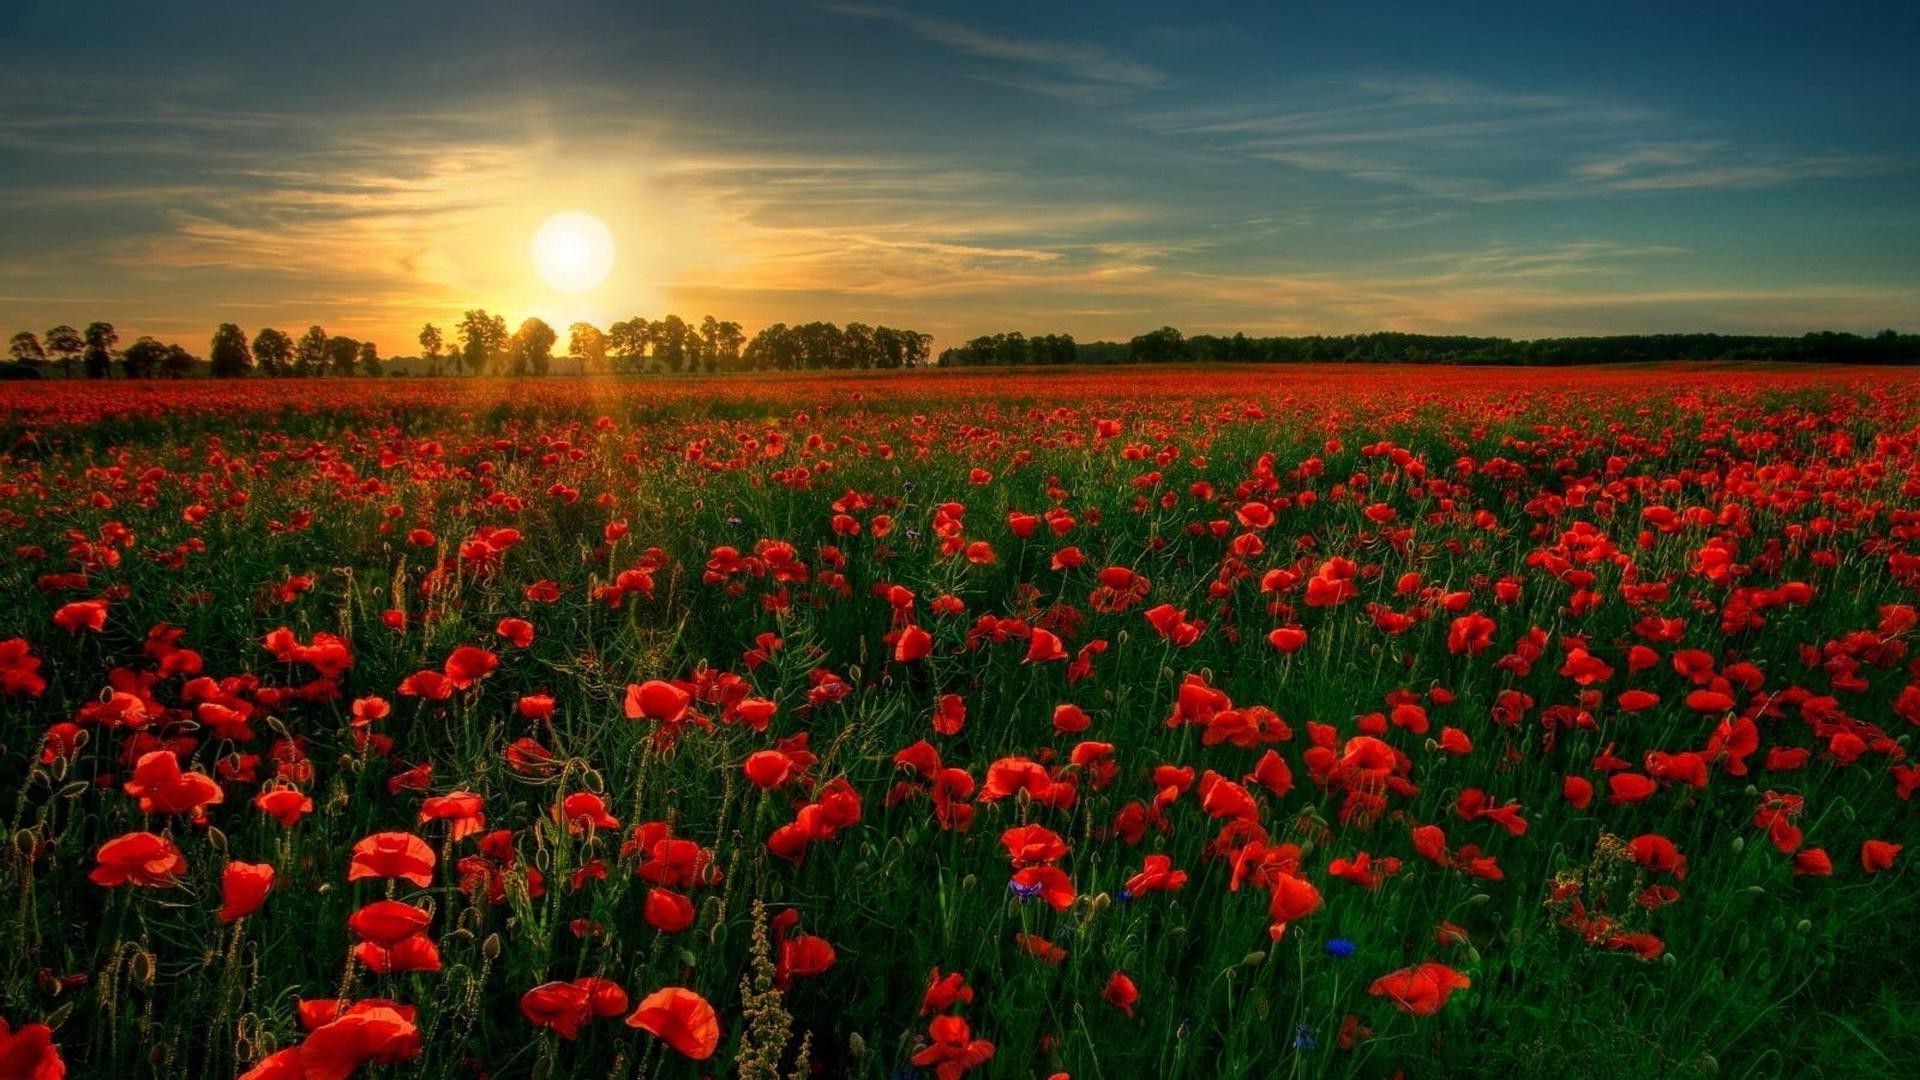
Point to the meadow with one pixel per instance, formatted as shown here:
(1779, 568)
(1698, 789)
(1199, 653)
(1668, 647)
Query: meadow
(1216, 722)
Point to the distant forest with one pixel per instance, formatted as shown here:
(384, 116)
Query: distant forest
(1168, 345)
(481, 344)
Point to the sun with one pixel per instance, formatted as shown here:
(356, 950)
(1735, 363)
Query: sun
(573, 251)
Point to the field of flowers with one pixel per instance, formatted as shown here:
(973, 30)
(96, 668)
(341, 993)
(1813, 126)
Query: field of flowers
(1210, 723)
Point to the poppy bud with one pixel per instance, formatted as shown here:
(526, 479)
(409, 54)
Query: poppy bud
(1739, 844)
(490, 948)
(1478, 899)
(1804, 926)
(1253, 959)
(856, 1046)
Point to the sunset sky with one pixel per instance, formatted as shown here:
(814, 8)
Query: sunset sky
(963, 168)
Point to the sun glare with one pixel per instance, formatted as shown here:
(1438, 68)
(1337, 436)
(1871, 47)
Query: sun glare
(573, 251)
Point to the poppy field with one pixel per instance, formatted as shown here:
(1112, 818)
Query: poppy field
(1305, 721)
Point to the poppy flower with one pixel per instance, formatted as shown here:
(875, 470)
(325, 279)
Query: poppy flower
(1287, 639)
(372, 1032)
(584, 809)
(393, 855)
(29, 1053)
(1470, 634)
(913, 644)
(1033, 844)
(945, 992)
(462, 808)
(1157, 875)
(680, 1018)
(469, 664)
(667, 911)
(243, 888)
(559, 1006)
(284, 803)
(20, 670)
(657, 700)
(163, 788)
(1422, 990)
(1049, 883)
(139, 858)
(82, 615)
(1878, 855)
(953, 1051)
(1121, 993)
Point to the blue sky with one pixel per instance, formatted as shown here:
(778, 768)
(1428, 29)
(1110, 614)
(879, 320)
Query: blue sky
(1525, 169)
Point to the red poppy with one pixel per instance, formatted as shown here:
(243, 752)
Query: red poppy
(667, 911)
(29, 1053)
(1878, 855)
(393, 855)
(1421, 990)
(953, 1051)
(1121, 993)
(139, 858)
(243, 888)
(680, 1018)
(945, 992)
(82, 615)
(163, 788)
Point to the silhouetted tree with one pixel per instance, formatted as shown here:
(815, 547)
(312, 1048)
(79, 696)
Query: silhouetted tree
(532, 348)
(369, 360)
(65, 344)
(482, 338)
(143, 358)
(228, 357)
(100, 338)
(430, 345)
(588, 345)
(273, 351)
(627, 342)
(342, 354)
(25, 349)
(310, 353)
(177, 362)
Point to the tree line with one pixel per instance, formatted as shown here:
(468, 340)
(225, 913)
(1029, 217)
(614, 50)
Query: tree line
(480, 343)
(483, 345)
(1168, 345)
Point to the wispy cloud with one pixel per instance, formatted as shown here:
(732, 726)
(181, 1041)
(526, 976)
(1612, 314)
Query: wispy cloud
(1077, 69)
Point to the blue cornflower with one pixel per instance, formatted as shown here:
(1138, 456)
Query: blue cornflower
(1340, 947)
(1026, 892)
(1302, 1037)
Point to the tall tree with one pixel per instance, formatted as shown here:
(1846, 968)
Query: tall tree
(143, 358)
(369, 360)
(588, 345)
(273, 351)
(430, 345)
(532, 347)
(342, 354)
(730, 340)
(177, 362)
(65, 343)
(670, 343)
(482, 338)
(101, 337)
(627, 342)
(228, 356)
(25, 349)
(310, 354)
(858, 348)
